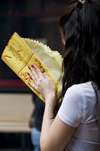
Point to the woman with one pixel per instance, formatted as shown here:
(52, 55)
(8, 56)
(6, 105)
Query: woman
(76, 122)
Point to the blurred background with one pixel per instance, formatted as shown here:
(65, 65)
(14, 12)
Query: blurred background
(34, 19)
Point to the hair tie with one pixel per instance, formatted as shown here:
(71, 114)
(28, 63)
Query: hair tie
(82, 1)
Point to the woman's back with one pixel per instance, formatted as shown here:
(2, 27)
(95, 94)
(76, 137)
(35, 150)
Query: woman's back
(79, 110)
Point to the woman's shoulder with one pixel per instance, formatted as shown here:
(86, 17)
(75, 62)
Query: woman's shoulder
(73, 104)
(81, 91)
(82, 87)
(76, 100)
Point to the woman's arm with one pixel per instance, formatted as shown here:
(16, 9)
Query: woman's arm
(55, 133)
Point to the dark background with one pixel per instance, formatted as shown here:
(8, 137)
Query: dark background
(31, 19)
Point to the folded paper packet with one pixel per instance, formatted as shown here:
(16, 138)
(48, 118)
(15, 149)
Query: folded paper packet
(23, 52)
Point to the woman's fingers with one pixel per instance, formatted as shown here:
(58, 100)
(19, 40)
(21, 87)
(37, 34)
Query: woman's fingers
(32, 77)
(38, 71)
(34, 74)
(43, 83)
(32, 85)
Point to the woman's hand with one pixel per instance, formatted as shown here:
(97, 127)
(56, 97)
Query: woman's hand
(43, 83)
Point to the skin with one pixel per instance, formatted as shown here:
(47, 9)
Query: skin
(55, 134)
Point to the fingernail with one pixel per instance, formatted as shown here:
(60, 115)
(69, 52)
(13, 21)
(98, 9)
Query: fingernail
(42, 70)
(29, 67)
(29, 83)
(32, 66)
(28, 73)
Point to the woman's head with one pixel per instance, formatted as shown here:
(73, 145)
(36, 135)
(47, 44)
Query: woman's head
(80, 31)
(80, 28)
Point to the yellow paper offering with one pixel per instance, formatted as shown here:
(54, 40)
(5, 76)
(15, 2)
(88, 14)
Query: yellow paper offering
(22, 52)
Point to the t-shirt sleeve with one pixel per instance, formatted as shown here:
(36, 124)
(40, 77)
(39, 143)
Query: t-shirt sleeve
(71, 110)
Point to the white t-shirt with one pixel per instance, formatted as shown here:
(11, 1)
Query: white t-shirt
(77, 110)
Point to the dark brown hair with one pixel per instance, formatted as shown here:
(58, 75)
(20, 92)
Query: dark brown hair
(80, 30)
